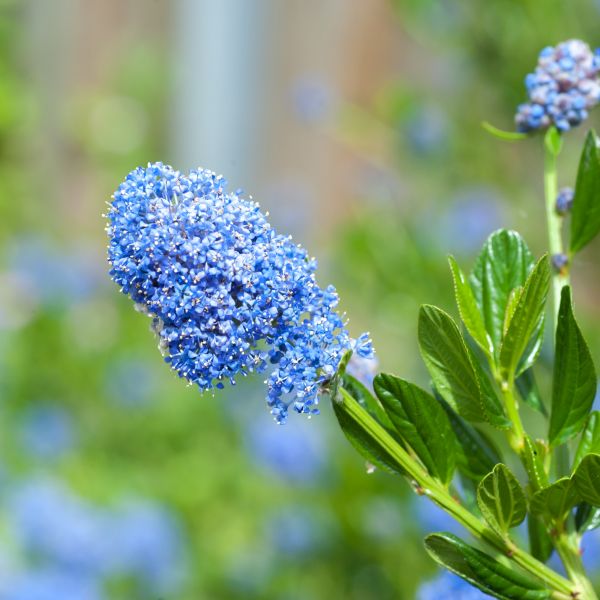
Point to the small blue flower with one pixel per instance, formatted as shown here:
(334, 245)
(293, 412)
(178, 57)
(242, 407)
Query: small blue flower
(227, 294)
(564, 200)
(562, 89)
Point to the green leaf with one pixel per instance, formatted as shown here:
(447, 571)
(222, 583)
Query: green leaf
(468, 309)
(421, 422)
(501, 134)
(529, 392)
(574, 380)
(587, 479)
(481, 570)
(532, 461)
(503, 265)
(590, 439)
(587, 517)
(501, 500)
(527, 319)
(553, 141)
(511, 306)
(556, 500)
(476, 455)
(452, 369)
(585, 215)
(540, 542)
(366, 399)
(365, 444)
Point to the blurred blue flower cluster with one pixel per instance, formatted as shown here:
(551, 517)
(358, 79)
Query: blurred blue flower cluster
(227, 294)
(72, 548)
(562, 89)
(448, 586)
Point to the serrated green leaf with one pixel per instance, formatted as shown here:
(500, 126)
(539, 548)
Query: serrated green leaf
(556, 500)
(574, 379)
(476, 455)
(587, 517)
(527, 319)
(590, 439)
(363, 443)
(587, 479)
(540, 542)
(511, 306)
(452, 368)
(553, 141)
(481, 570)
(501, 500)
(532, 461)
(468, 309)
(501, 134)
(529, 392)
(502, 265)
(421, 422)
(585, 214)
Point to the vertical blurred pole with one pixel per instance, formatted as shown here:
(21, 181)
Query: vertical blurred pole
(219, 77)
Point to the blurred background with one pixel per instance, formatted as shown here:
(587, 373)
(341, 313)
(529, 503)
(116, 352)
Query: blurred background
(357, 126)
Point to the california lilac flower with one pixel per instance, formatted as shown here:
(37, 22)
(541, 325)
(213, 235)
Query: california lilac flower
(564, 200)
(50, 584)
(562, 89)
(227, 294)
(448, 586)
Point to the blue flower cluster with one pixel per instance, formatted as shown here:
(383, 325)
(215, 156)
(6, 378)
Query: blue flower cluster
(564, 200)
(227, 294)
(562, 89)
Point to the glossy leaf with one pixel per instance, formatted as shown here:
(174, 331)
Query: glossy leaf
(501, 500)
(526, 321)
(481, 570)
(476, 455)
(590, 439)
(421, 422)
(503, 265)
(585, 214)
(587, 479)
(587, 517)
(540, 542)
(468, 309)
(364, 443)
(556, 500)
(574, 380)
(529, 392)
(367, 400)
(452, 369)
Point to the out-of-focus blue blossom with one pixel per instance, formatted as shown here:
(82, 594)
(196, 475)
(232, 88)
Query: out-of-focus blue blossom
(297, 454)
(363, 369)
(448, 586)
(137, 539)
(472, 214)
(559, 262)
(46, 431)
(313, 99)
(427, 131)
(295, 531)
(57, 277)
(564, 200)
(131, 382)
(228, 296)
(590, 550)
(562, 89)
(51, 584)
(56, 526)
(147, 542)
(431, 517)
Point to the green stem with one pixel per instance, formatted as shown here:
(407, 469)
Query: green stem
(440, 495)
(554, 225)
(568, 548)
(517, 434)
